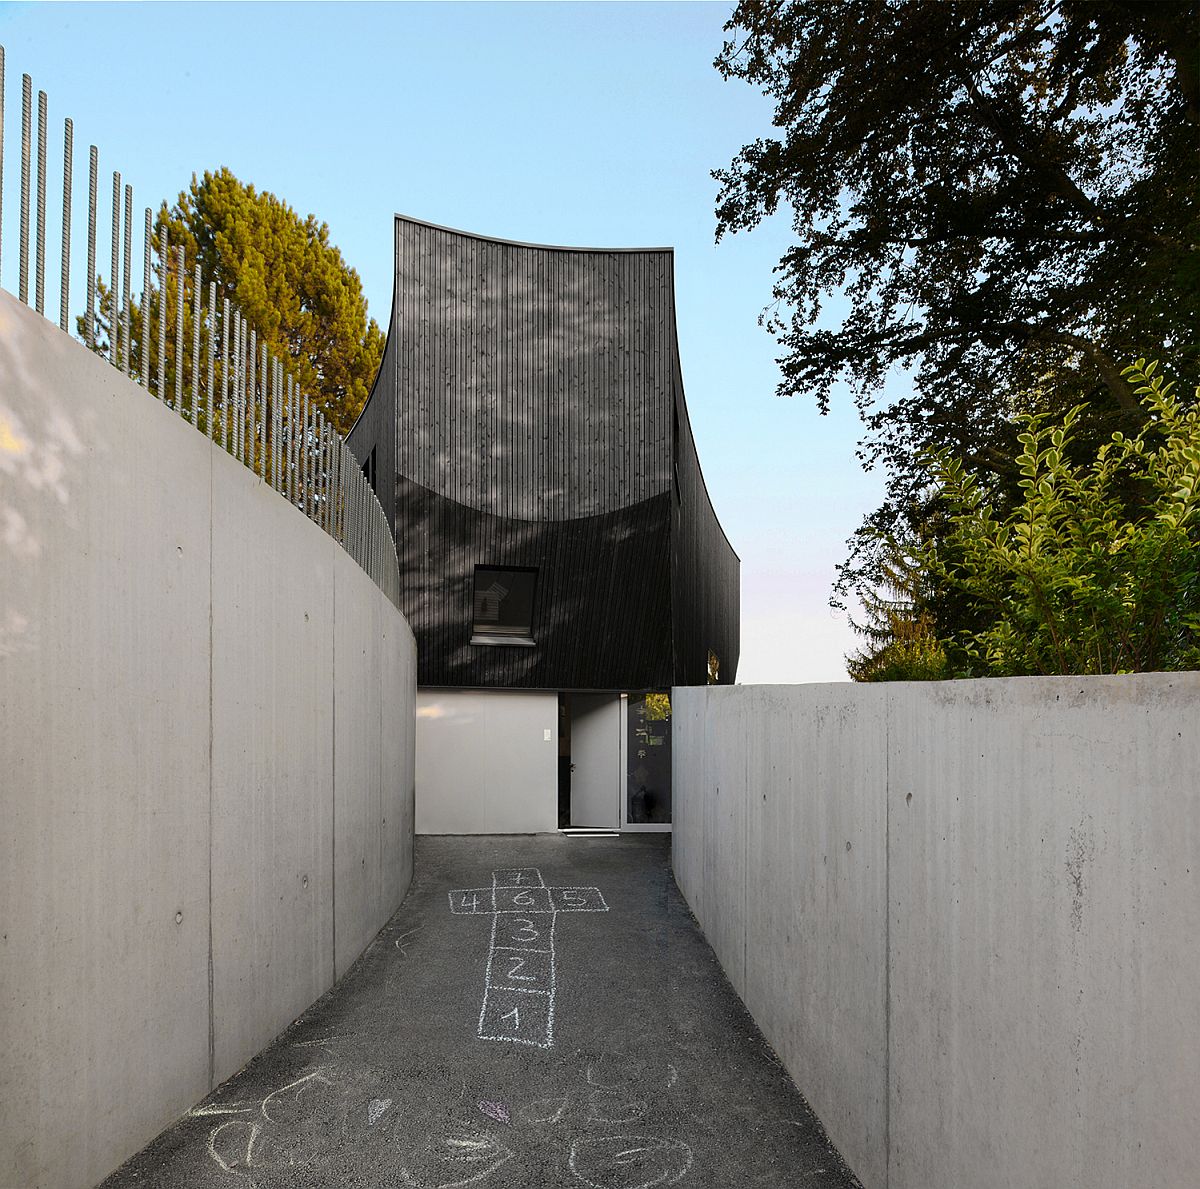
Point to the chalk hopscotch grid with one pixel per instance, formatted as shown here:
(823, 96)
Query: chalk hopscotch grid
(489, 987)
(521, 881)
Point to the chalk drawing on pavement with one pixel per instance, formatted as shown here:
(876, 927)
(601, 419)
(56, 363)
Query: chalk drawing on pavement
(629, 1161)
(520, 981)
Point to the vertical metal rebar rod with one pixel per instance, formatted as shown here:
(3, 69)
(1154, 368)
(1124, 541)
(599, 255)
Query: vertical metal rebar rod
(114, 280)
(357, 486)
(212, 350)
(334, 446)
(180, 299)
(319, 483)
(270, 399)
(1, 146)
(337, 490)
(298, 450)
(248, 336)
(243, 391)
(197, 298)
(252, 402)
(310, 458)
(164, 258)
(343, 506)
(93, 176)
(262, 407)
(280, 390)
(276, 422)
(248, 350)
(126, 298)
(267, 417)
(65, 262)
(39, 261)
(147, 236)
(347, 482)
(329, 489)
(318, 443)
(352, 515)
(64, 278)
(240, 397)
(305, 486)
(235, 395)
(225, 373)
(290, 476)
(26, 117)
(320, 470)
(234, 371)
(346, 509)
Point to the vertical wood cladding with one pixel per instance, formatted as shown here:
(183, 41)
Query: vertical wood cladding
(537, 386)
(601, 608)
(705, 573)
(526, 407)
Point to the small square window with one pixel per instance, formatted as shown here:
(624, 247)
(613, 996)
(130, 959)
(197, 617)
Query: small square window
(502, 606)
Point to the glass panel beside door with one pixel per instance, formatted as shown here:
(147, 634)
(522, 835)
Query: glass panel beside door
(648, 760)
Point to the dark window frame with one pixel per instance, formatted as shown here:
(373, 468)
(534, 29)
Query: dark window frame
(480, 635)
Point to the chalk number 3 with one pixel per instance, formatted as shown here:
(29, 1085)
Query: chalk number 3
(526, 928)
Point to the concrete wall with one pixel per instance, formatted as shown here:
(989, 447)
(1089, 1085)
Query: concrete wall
(487, 762)
(180, 654)
(964, 914)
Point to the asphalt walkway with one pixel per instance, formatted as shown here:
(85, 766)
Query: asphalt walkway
(540, 1012)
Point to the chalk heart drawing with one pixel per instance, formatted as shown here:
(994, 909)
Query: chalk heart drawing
(458, 1158)
(285, 1130)
(629, 1161)
(520, 983)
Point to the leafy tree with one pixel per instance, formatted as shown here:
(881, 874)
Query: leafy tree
(290, 283)
(1070, 580)
(1006, 194)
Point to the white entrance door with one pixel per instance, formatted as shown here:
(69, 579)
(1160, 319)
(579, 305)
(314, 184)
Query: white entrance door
(596, 760)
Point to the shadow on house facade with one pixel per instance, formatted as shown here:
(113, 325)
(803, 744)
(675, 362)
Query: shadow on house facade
(529, 441)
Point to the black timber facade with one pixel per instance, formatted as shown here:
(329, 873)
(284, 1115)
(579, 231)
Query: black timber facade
(529, 413)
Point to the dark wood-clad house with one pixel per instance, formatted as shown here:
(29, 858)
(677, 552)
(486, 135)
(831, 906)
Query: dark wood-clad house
(528, 438)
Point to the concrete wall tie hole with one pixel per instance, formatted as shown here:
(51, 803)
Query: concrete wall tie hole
(908, 799)
(179, 918)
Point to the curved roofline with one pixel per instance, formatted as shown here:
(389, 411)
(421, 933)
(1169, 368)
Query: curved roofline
(517, 243)
(688, 415)
(387, 334)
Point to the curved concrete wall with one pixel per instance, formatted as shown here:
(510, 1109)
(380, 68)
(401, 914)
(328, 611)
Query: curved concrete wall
(964, 914)
(206, 761)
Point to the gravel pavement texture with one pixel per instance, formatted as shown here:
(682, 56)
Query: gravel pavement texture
(541, 1011)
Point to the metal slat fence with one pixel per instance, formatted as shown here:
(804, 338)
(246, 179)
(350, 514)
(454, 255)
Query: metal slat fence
(243, 399)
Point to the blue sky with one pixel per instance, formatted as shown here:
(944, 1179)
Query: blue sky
(590, 124)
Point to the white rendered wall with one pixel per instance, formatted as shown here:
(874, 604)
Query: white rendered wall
(174, 639)
(487, 762)
(964, 914)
